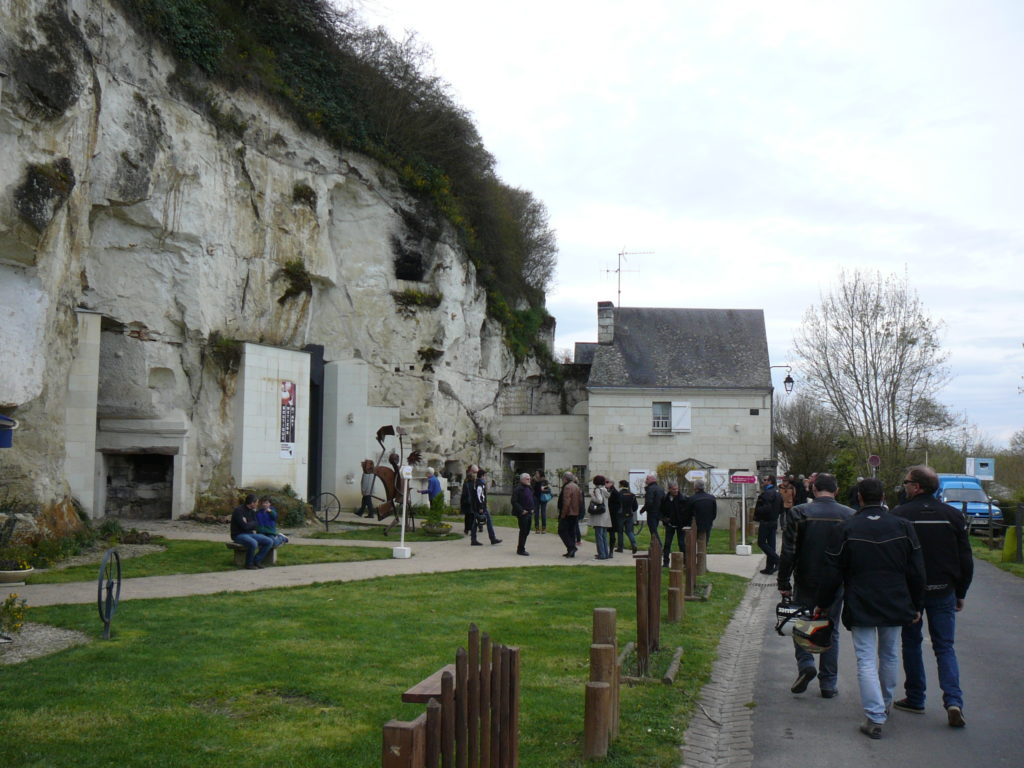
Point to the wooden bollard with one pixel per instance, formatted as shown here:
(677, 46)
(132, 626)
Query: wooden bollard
(691, 562)
(702, 554)
(654, 596)
(513, 707)
(602, 670)
(676, 604)
(447, 719)
(643, 637)
(404, 744)
(485, 701)
(604, 626)
(595, 723)
(732, 534)
(473, 697)
(461, 709)
(605, 633)
(673, 668)
(433, 756)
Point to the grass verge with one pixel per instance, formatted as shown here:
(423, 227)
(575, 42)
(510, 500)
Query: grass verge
(206, 557)
(995, 556)
(307, 676)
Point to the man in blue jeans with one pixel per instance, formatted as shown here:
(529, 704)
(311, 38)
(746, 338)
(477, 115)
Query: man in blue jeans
(243, 531)
(949, 565)
(876, 558)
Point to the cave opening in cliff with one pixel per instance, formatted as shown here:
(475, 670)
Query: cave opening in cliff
(139, 486)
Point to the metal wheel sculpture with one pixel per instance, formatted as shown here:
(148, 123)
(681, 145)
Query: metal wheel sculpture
(108, 589)
(390, 479)
(326, 507)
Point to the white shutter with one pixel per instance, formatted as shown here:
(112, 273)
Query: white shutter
(680, 417)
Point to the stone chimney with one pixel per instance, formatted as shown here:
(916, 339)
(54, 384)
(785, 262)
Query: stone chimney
(605, 322)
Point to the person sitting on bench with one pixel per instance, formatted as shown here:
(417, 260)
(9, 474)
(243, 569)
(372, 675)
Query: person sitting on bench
(266, 521)
(243, 531)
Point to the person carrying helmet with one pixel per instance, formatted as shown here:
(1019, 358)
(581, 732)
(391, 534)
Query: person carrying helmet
(804, 538)
(876, 558)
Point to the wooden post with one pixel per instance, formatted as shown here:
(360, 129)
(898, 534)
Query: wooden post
(513, 707)
(595, 725)
(605, 633)
(691, 562)
(473, 697)
(643, 636)
(461, 709)
(673, 668)
(433, 734)
(602, 670)
(675, 587)
(654, 596)
(604, 626)
(732, 534)
(448, 720)
(702, 554)
(404, 743)
(506, 687)
(497, 694)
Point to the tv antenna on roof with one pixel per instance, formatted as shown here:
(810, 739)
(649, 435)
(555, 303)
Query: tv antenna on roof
(618, 271)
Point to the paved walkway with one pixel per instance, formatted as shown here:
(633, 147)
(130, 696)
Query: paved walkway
(428, 557)
(747, 717)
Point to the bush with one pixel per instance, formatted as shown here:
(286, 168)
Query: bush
(111, 530)
(12, 613)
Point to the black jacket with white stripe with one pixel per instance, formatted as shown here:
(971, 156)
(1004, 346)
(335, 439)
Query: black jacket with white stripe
(942, 531)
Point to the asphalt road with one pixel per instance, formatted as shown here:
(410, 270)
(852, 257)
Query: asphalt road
(793, 730)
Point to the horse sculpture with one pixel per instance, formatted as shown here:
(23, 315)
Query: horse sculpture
(389, 477)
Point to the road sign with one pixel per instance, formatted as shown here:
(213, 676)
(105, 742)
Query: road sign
(696, 474)
(743, 479)
(874, 460)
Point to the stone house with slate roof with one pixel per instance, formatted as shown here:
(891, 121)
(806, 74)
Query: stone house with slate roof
(665, 384)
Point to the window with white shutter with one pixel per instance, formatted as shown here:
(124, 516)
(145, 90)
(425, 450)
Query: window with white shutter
(680, 417)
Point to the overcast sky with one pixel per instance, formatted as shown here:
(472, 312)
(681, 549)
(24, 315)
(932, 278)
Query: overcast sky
(758, 148)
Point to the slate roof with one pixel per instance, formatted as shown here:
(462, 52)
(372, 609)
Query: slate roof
(668, 348)
(584, 352)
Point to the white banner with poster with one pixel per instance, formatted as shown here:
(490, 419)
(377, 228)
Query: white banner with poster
(719, 483)
(288, 396)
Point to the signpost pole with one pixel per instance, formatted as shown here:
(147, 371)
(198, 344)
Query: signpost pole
(402, 551)
(743, 481)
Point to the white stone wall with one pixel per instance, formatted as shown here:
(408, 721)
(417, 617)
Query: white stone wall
(562, 439)
(350, 428)
(723, 432)
(257, 457)
(80, 412)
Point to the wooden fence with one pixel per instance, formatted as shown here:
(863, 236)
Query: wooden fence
(472, 713)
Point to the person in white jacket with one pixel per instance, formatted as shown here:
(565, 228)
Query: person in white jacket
(600, 518)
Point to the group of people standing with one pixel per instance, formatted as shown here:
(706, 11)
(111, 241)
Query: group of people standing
(881, 573)
(677, 513)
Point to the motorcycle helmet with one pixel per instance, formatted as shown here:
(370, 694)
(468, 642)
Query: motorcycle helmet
(811, 634)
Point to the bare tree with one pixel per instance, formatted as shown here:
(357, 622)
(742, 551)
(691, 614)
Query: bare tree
(871, 351)
(806, 434)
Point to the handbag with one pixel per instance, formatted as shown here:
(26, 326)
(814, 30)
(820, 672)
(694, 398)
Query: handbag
(545, 497)
(595, 509)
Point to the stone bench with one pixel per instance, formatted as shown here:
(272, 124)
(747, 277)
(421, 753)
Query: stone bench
(240, 549)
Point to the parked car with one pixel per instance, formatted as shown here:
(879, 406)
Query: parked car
(955, 490)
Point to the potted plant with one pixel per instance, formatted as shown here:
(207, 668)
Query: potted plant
(14, 567)
(433, 522)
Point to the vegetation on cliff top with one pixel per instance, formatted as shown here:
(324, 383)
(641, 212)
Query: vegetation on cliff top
(364, 91)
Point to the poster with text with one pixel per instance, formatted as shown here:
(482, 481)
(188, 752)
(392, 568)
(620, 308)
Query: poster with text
(287, 419)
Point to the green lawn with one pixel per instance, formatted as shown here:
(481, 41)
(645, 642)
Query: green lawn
(307, 676)
(995, 556)
(206, 557)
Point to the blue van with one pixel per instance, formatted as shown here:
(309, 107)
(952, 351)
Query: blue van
(957, 489)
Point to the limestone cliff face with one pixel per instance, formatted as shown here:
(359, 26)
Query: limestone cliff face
(119, 196)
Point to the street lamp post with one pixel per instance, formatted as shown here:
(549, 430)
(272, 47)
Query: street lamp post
(787, 384)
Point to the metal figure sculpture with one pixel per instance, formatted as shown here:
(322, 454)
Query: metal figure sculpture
(389, 477)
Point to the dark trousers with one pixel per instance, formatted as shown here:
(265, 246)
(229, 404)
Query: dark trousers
(766, 541)
(525, 523)
(670, 531)
(471, 525)
(366, 505)
(653, 519)
(567, 532)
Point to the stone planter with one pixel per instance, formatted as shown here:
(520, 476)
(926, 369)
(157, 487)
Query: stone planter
(15, 577)
(436, 529)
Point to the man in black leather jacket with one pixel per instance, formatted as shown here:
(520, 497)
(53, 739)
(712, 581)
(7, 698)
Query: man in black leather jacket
(949, 566)
(804, 538)
(766, 512)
